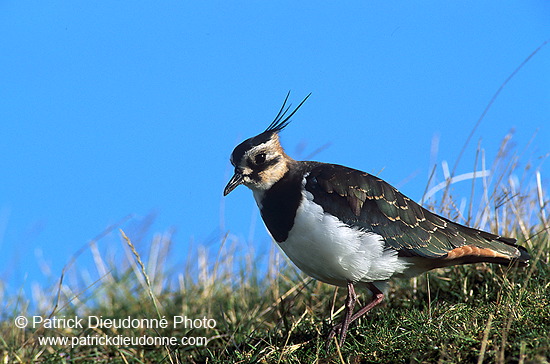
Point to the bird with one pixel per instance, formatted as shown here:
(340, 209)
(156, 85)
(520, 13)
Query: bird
(349, 228)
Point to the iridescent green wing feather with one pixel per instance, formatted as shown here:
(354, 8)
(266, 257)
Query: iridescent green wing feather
(367, 202)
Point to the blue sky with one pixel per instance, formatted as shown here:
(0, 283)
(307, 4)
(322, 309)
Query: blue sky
(115, 108)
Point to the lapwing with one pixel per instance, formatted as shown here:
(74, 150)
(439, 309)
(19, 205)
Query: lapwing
(351, 229)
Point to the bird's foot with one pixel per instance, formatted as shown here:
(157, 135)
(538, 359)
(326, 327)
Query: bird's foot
(336, 331)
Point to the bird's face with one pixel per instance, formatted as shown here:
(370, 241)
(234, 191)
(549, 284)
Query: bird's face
(259, 162)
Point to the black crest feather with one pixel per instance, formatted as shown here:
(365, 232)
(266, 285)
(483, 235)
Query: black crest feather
(282, 120)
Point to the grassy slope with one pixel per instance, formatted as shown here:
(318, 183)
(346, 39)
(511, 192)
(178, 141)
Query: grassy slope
(475, 313)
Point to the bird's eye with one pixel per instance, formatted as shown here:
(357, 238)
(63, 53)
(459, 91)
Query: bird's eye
(259, 158)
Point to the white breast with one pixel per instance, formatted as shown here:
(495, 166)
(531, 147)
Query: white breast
(332, 252)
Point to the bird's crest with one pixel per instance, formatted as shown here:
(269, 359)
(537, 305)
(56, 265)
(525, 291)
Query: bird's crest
(280, 121)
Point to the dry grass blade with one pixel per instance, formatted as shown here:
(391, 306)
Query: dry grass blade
(149, 287)
(485, 339)
(145, 276)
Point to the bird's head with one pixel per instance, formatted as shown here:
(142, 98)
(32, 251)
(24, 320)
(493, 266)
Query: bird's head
(260, 161)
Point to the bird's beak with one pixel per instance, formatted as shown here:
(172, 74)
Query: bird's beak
(236, 180)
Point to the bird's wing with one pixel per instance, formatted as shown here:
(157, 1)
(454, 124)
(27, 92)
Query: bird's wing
(367, 202)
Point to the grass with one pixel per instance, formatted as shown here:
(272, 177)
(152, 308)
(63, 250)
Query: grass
(477, 313)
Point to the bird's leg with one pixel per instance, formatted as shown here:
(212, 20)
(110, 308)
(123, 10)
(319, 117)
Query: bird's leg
(378, 296)
(349, 316)
(342, 327)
